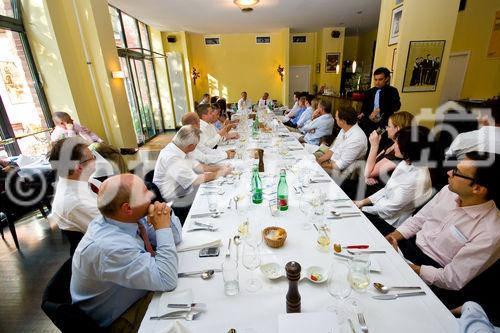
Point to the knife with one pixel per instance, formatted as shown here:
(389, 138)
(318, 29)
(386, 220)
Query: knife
(205, 214)
(187, 305)
(394, 296)
(317, 181)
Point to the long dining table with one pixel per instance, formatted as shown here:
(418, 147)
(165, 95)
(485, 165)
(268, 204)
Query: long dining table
(264, 310)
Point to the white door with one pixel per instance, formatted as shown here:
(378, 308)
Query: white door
(300, 78)
(177, 85)
(455, 75)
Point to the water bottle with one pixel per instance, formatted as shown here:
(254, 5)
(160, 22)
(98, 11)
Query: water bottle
(282, 192)
(256, 186)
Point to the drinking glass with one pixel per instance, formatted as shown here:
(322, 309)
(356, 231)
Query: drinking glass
(359, 272)
(230, 276)
(251, 261)
(324, 238)
(254, 235)
(339, 288)
(212, 202)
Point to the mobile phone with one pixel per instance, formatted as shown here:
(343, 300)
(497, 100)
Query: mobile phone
(209, 252)
(381, 131)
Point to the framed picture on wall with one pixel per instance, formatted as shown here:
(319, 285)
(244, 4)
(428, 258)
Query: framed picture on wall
(318, 67)
(299, 39)
(393, 59)
(397, 13)
(212, 40)
(331, 62)
(423, 65)
(263, 40)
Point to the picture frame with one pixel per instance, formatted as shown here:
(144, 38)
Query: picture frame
(263, 39)
(299, 39)
(212, 41)
(423, 65)
(332, 59)
(394, 52)
(397, 14)
(318, 67)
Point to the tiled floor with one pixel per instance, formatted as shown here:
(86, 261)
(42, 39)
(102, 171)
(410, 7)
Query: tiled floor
(24, 274)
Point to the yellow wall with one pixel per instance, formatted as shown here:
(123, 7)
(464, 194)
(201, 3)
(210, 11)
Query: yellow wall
(472, 33)
(365, 50)
(239, 64)
(328, 44)
(351, 44)
(305, 54)
(162, 79)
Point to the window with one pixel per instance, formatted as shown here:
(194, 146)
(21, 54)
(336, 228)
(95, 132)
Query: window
(25, 121)
(134, 50)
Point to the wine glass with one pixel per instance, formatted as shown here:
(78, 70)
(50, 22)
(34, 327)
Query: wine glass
(339, 288)
(254, 235)
(251, 261)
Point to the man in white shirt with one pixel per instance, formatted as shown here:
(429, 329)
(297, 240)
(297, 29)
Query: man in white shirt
(202, 153)
(210, 137)
(349, 146)
(176, 175)
(319, 126)
(485, 139)
(74, 204)
(205, 99)
(244, 102)
(265, 100)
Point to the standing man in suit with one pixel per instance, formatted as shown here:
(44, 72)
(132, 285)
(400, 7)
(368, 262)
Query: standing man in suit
(380, 102)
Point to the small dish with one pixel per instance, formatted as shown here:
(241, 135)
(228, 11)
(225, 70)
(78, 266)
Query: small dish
(272, 270)
(316, 274)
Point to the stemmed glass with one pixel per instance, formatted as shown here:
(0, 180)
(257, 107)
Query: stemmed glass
(251, 261)
(339, 288)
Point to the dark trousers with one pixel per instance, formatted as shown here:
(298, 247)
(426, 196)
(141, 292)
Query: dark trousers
(383, 227)
(181, 212)
(290, 124)
(351, 188)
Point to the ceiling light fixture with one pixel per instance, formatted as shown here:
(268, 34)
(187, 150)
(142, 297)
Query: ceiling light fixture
(246, 5)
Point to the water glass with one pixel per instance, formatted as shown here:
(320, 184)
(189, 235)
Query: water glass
(230, 276)
(251, 261)
(212, 202)
(339, 289)
(359, 272)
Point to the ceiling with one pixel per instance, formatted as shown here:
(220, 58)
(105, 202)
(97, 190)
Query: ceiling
(222, 16)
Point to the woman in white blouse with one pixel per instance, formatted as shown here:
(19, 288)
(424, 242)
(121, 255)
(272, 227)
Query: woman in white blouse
(409, 186)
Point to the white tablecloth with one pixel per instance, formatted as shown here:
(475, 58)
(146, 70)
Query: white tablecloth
(258, 312)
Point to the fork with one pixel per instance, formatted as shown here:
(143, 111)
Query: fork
(362, 323)
(187, 315)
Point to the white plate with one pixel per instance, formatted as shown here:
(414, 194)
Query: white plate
(272, 270)
(316, 270)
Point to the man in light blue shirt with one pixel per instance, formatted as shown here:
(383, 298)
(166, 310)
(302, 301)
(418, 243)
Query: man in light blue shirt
(307, 114)
(320, 125)
(115, 265)
(473, 319)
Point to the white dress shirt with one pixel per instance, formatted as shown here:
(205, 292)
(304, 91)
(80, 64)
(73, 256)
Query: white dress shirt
(264, 102)
(74, 205)
(206, 155)
(409, 187)
(209, 136)
(244, 104)
(318, 128)
(485, 139)
(174, 173)
(348, 147)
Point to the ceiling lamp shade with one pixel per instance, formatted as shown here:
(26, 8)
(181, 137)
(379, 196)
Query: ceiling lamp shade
(246, 5)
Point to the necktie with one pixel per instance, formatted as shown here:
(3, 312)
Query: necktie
(144, 235)
(94, 188)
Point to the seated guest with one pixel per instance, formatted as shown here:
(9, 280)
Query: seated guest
(485, 139)
(74, 204)
(295, 107)
(202, 153)
(218, 124)
(456, 236)
(409, 186)
(213, 99)
(205, 99)
(311, 105)
(116, 265)
(176, 175)
(244, 102)
(109, 162)
(350, 144)
(473, 319)
(382, 161)
(265, 100)
(66, 127)
(320, 125)
(292, 120)
(210, 137)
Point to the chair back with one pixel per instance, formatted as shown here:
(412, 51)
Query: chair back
(56, 303)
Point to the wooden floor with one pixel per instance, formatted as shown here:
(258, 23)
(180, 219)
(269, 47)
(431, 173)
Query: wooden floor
(24, 274)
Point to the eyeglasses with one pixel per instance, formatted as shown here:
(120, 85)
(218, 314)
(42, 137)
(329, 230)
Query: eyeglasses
(88, 160)
(454, 173)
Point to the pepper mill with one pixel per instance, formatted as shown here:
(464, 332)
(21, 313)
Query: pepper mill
(293, 297)
(260, 153)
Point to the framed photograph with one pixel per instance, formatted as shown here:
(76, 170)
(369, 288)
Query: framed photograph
(15, 82)
(397, 13)
(398, 2)
(318, 67)
(393, 59)
(263, 39)
(331, 62)
(212, 40)
(299, 39)
(423, 65)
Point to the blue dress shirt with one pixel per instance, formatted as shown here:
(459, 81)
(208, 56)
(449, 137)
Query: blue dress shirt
(299, 113)
(111, 269)
(474, 320)
(306, 115)
(318, 128)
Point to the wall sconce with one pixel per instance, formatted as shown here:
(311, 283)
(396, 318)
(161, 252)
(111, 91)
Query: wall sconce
(246, 5)
(281, 72)
(195, 74)
(337, 69)
(354, 66)
(118, 74)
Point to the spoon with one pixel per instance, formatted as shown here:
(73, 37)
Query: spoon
(384, 289)
(237, 242)
(205, 275)
(216, 215)
(338, 214)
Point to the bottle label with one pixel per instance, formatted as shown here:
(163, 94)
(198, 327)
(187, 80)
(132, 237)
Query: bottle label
(283, 204)
(257, 196)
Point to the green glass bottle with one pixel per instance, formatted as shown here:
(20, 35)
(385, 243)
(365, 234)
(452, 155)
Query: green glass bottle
(282, 192)
(256, 186)
(255, 126)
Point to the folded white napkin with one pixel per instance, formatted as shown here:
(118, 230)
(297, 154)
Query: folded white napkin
(177, 327)
(318, 322)
(173, 297)
(191, 246)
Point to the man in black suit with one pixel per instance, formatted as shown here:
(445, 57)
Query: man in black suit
(380, 102)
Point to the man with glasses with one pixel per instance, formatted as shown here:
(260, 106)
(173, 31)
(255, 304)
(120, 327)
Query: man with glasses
(456, 236)
(74, 204)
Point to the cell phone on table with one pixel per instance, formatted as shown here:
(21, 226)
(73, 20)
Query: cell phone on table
(209, 252)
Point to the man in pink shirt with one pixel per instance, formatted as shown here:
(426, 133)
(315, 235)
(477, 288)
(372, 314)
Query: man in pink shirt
(456, 236)
(66, 128)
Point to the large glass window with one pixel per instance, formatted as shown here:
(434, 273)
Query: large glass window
(25, 121)
(134, 49)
